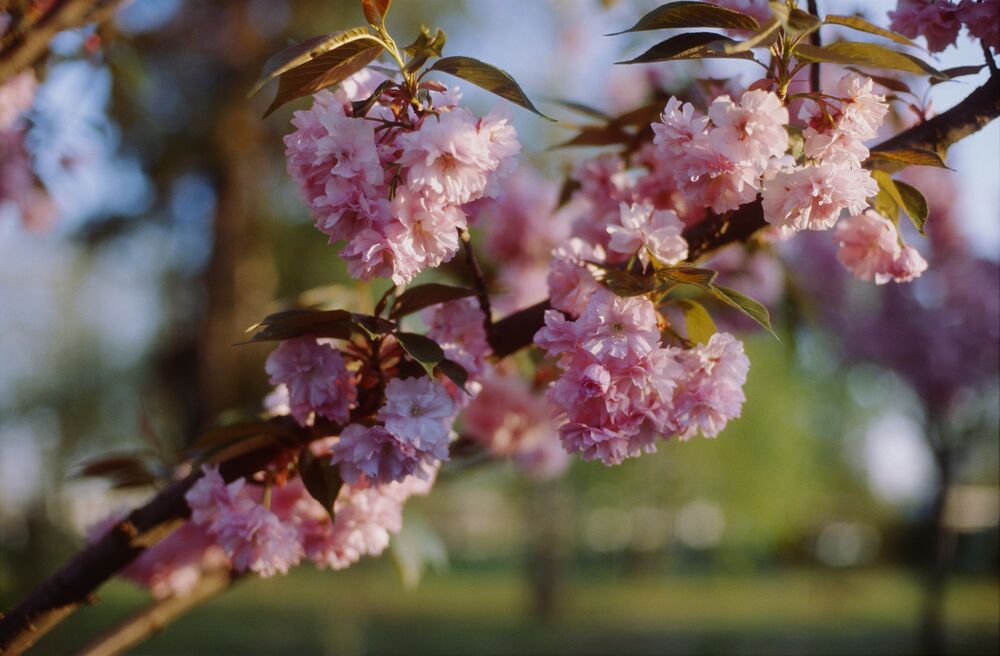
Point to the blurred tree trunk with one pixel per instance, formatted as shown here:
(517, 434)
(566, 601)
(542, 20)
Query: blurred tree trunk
(940, 544)
(239, 280)
(547, 546)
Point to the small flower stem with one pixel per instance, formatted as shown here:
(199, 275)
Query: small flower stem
(814, 39)
(482, 294)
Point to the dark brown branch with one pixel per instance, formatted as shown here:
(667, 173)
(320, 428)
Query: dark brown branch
(34, 43)
(479, 280)
(157, 615)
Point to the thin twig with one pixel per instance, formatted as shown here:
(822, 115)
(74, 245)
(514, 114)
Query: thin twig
(158, 615)
(988, 54)
(480, 283)
(814, 39)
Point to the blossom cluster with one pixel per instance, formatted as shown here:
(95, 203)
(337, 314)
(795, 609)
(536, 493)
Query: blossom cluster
(719, 160)
(621, 388)
(19, 190)
(393, 187)
(939, 21)
(869, 246)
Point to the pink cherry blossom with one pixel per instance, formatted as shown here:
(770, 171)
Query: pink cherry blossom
(457, 326)
(448, 160)
(619, 328)
(418, 411)
(908, 266)
(570, 282)
(594, 443)
(710, 393)
(936, 20)
(16, 97)
(862, 112)
(679, 126)
(812, 197)
(982, 17)
(429, 235)
(252, 536)
(648, 232)
(373, 455)
(751, 131)
(316, 378)
(869, 245)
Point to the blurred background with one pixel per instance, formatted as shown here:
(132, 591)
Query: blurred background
(852, 509)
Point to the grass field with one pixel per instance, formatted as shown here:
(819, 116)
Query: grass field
(366, 611)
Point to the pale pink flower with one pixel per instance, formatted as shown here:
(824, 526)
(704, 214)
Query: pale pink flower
(316, 378)
(868, 246)
(447, 158)
(508, 417)
(594, 443)
(619, 328)
(458, 327)
(419, 411)
(252, 537)
(648, 232)
(908, 266)
(430, 233)
(559, 336)
(936, 20)
(710, 393)
(679, 126)
(381, 252)
(751, 131)
(834, 146)
(500, 138)
(604, 183)
(812, 197)
(570, 282)
(982, 17)
(16, 97)
(862, 112)
(373, 455)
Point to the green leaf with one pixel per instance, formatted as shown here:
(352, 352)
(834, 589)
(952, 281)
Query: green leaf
(862, 25)
(692, 14)
(914, 204)
(909, 157)
(455, 372)
(688, 275)
(326, 63)
(888, 185)
(423, 349)
(321, 479)
(793, 21)
(487, 77)
(697, 321)
(419, 297)
(763, 37)
(865, 54)
(625, 283)
(746, 305)
(691, 45)
(886, 205)
(360, 108)
(424, 47)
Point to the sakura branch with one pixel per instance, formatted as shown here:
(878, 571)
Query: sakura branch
(392, 166)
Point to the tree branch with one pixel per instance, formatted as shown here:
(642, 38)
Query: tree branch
(34, 43)
(157, 615)
(482, 293)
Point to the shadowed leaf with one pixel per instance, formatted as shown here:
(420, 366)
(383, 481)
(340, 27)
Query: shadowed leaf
(862, 25)
(423, 349)
(692, 45)
(419, 297)
(321, 479)
(487, 76)
(688, 275)
(866, 54)
(455, 372)
(349, 54)
(692, 14)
